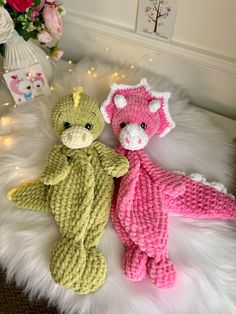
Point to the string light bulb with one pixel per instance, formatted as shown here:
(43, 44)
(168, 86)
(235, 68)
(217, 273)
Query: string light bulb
(89, 72)
(92, 69)
(51, 88)
(6, 125)
(70, 70)
(115, 74)
(6, 121)
(132, 66)
(150, 59)
(7, 141)
(122, 76)
(18, 171)
(69, 62)
(47, 57)
(95, 75)
(107, 49)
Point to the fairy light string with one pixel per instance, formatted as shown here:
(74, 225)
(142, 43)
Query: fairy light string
(119, 75)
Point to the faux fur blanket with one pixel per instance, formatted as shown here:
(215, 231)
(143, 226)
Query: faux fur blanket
(203, 251)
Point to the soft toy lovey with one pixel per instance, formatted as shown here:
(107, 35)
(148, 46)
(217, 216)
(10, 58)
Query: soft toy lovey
(146, 194)
(77, 188)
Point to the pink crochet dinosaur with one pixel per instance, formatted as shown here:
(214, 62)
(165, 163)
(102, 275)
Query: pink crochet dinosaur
(146, 194)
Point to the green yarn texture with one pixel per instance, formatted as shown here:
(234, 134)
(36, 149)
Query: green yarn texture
(76, 188)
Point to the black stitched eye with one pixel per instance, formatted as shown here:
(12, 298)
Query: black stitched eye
(143, 125)
(122, 125)
(67, 125)
(88, 126)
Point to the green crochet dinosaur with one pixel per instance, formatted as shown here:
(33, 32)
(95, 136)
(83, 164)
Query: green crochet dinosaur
(77, 188)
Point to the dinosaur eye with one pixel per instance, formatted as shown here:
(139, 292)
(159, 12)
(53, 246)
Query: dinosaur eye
(122, 125)
(88, 126)
(143, 125)
(67, 125)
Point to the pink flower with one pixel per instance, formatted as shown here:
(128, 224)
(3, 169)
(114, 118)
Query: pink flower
(20, 5)
(57, 53)
(44, 37)
(52, 19)
(35, 13)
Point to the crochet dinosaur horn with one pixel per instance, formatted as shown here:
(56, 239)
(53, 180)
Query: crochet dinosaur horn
(77, 91)
(159, 105)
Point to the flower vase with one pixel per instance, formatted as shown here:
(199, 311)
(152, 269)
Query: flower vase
(20, 54)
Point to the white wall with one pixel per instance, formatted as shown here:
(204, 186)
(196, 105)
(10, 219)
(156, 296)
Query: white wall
(207, 24)
(201, 56)
(120, 12)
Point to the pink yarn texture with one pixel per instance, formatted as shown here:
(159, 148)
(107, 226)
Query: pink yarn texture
(148, 193)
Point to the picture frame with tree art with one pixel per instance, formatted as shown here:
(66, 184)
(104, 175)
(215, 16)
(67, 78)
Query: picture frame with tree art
(156, 18)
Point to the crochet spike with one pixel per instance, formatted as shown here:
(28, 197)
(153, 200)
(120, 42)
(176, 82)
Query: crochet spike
(77, 91)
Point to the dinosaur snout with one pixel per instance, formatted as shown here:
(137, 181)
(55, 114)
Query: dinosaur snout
(132, 129)
(133, 137)
(77, 137)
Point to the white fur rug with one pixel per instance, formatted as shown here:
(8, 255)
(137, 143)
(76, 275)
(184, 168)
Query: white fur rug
(203, 251)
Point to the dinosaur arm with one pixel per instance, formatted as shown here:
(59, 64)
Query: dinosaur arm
(113, 163)
(57, 167)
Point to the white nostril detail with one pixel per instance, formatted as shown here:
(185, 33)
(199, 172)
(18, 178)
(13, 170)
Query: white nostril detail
(132, 129)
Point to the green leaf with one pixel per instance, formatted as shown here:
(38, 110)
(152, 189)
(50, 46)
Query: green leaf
(37, 2)
(21, 18)
(23, 32)
(60, 10)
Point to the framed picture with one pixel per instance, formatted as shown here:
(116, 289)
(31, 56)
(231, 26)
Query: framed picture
(156, 18)
(27, 83)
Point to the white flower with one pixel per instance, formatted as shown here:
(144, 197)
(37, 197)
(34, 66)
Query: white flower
(6, 26)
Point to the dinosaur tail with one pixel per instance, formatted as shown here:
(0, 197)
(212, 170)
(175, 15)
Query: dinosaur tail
(32, 194)
(203, 200)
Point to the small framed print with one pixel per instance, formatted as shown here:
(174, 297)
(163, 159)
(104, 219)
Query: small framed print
(27, 83)
(156, 18)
